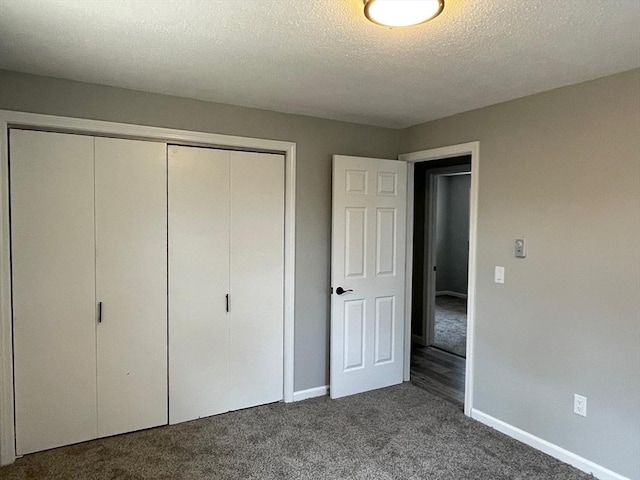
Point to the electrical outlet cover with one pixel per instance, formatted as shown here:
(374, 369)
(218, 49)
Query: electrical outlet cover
(580, 405)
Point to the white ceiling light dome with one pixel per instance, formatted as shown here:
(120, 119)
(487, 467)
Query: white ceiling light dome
(402, 13)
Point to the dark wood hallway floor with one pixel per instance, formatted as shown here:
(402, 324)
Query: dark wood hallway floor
(438, 372)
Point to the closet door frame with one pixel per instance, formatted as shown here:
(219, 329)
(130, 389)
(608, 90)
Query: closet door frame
(10, 119)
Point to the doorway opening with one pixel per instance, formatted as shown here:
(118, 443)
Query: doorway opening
(441, 213)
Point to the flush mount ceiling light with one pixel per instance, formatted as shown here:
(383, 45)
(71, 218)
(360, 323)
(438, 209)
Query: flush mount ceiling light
(402, 13)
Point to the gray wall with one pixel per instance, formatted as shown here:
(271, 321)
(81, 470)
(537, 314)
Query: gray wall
(316, 140)
(561, 169)
(452, 233)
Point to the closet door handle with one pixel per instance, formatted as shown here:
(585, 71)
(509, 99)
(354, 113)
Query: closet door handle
(227, 301)
(99, 312)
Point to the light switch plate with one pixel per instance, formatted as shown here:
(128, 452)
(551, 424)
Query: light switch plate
(521, 251)
(499, 275)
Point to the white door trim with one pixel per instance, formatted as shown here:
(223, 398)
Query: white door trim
(473, 149)
(95, 127)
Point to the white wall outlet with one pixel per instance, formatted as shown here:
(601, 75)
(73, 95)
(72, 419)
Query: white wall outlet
(579, 405)
(498, 276)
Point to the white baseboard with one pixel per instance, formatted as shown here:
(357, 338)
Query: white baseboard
(549, 448)
(311, 393)
(451, 294)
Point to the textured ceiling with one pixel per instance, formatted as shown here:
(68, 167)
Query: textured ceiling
(322, 57)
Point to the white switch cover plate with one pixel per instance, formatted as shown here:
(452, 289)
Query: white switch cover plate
(499, 275)
(579, 405)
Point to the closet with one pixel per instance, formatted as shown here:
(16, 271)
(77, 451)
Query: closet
(89, 266)
(147, 284)
(226, 257)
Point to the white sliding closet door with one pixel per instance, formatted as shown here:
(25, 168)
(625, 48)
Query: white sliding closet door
(257, 278)
(131, 283)
(54, 322)
(198, 282)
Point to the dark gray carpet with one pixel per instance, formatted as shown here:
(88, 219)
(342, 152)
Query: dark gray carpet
(400, 432)
(450, 331)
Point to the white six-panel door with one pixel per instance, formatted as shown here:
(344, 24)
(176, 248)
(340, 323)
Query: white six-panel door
(131, 283)
(198, 282)
(368, 262)
(54, 321)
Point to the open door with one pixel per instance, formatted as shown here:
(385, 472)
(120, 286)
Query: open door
(367, 274)
(432, 200)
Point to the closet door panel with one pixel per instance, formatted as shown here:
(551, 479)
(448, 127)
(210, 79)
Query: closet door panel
(131, 283)
(52, 247)
(257, 278)
(198, 282)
